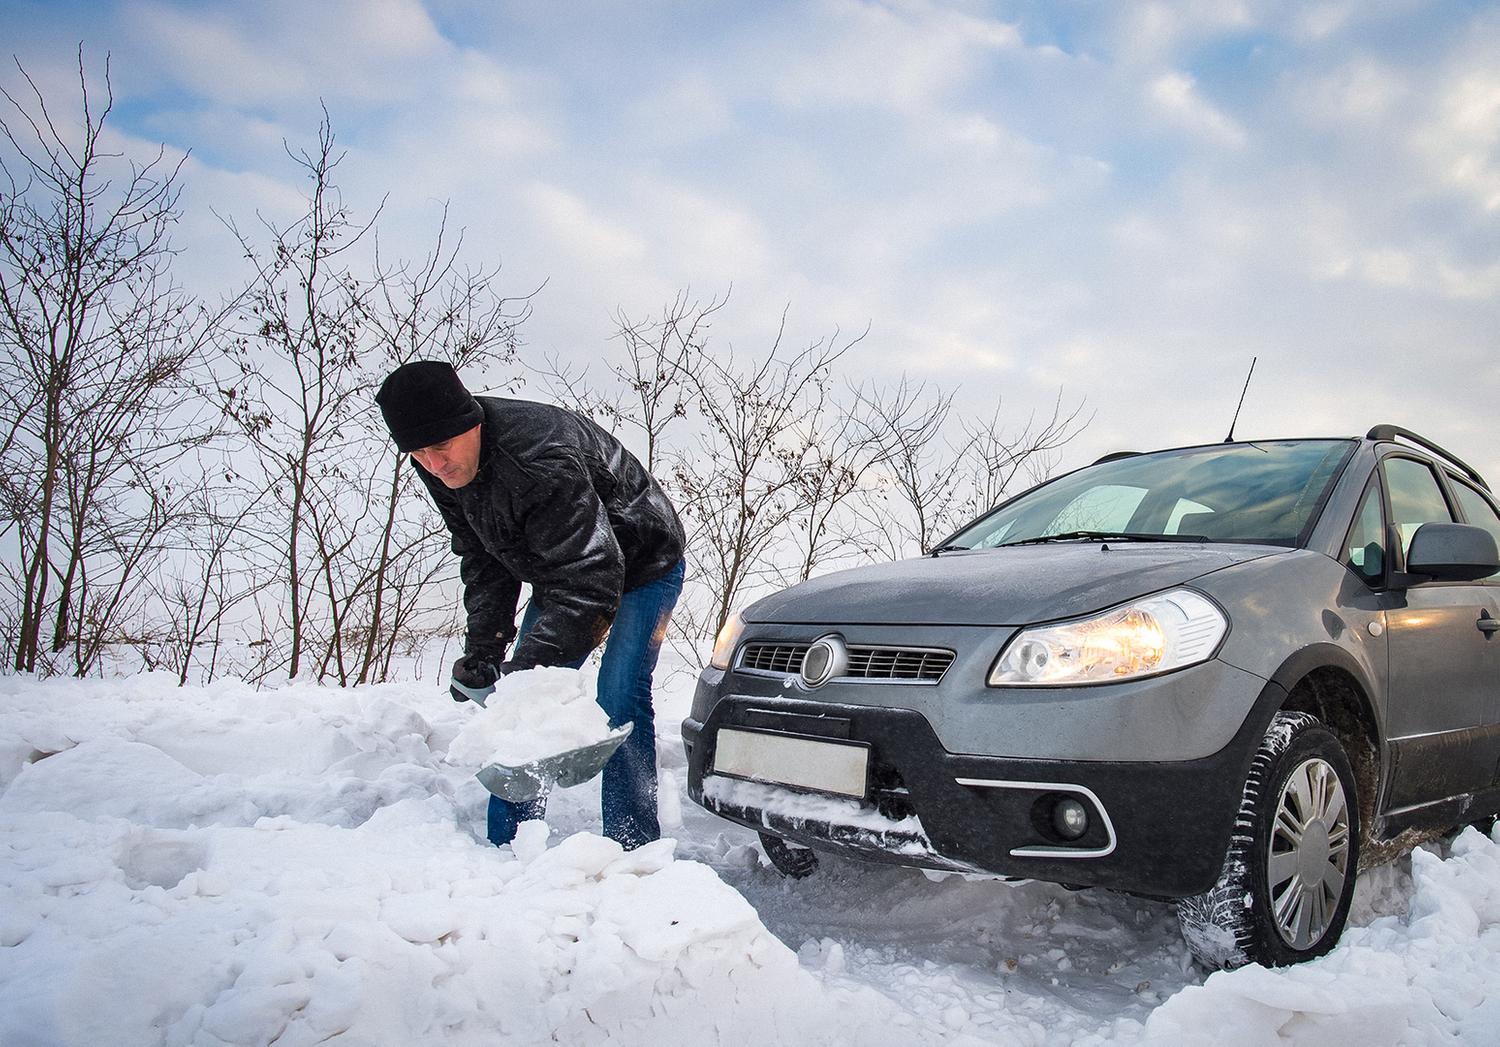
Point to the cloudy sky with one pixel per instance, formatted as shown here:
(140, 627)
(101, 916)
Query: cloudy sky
(1122, 201)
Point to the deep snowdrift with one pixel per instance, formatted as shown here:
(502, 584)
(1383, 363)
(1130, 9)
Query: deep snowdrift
(303, 865)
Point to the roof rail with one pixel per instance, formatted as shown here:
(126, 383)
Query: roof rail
(1115, 456)
(1392, 432)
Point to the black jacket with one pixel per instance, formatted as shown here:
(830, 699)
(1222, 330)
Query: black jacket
(559, 503)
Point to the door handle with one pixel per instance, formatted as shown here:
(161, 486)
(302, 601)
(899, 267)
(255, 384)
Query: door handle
(1487, 625)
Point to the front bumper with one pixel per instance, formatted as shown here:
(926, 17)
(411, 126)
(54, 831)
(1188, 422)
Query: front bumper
(1158, 828)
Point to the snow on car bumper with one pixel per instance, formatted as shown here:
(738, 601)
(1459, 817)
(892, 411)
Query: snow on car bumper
(1155, 828)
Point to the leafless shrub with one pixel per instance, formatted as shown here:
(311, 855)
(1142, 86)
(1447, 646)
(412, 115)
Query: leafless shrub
(353, 547)
(99, 349)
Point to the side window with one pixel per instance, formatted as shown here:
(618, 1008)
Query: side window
(1107, 507)
(1477, 508)
(1416, 498)
(996, 537)
(1364, 551)
(1197, 515)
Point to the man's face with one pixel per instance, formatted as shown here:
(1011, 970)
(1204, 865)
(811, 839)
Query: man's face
(453, 461)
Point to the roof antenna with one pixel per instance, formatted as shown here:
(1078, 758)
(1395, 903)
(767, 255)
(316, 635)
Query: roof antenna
(1230, 438)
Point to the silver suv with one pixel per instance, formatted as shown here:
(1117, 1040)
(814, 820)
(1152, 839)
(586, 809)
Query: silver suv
(1216, 674)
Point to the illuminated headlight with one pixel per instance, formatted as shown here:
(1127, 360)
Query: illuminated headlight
(1148, 636)
(728, 640)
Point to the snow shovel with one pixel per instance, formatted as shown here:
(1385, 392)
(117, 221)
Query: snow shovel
(477, 695)
(529, 780)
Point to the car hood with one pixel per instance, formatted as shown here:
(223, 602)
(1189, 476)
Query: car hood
(1014, 586)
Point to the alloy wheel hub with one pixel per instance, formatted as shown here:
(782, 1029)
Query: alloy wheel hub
(1307, 862)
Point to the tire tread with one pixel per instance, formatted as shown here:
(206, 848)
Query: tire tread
(1219, 924)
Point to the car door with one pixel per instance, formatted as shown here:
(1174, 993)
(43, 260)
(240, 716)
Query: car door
(1478, 508)
(1441, 693)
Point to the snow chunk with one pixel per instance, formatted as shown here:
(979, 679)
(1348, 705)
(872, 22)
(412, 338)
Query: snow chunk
(663, 914)
(532, 715)
(530, 841)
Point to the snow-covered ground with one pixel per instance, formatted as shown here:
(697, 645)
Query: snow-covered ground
(303, 865)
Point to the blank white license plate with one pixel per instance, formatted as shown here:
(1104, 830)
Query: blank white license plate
(784, 759)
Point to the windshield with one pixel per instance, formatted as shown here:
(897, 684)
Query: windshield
(1263, 492)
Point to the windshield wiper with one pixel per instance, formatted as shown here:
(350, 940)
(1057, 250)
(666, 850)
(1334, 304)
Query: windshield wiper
(947, 549)
(1107, 536)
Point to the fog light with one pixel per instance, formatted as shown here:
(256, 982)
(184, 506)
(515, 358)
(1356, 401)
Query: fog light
(1070, 818)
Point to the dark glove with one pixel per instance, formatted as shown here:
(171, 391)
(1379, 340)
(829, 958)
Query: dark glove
(475, 673)
(474, 677)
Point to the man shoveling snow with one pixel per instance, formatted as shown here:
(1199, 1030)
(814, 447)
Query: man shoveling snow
(534, 493)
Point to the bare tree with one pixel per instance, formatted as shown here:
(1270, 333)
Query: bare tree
(997, 459)
(925, 483)
(100, 344)
(651, 387)
(204, 580)
(297, 353)
(739, 488)
(840, 455)
(324, 321)
(915, 496)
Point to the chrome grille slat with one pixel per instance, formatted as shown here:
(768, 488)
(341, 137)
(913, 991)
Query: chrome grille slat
(774, 657)
(865, 662)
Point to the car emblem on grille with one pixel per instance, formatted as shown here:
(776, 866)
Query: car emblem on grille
(825, 659)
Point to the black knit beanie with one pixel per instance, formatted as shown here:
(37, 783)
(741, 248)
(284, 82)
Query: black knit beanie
(424, 403)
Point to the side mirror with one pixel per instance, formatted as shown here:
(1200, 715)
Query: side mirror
(1452, 552)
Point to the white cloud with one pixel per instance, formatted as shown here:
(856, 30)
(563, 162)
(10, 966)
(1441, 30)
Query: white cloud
(1175, 95)
(479, 79)
(1058, 364)
(1151, 33)
(589, 237)
(1006, 215)
(700, 236)
(1464, 138)
(1319, 21)
(283, 51)
(1475, 283)
(691, 108)
(1362, 91)
(901, 56)
(1388, 267)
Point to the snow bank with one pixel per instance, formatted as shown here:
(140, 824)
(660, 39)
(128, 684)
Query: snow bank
(532, 714)
(217, 865)
(1430, 977)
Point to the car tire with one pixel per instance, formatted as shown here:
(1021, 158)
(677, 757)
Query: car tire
(1284, 891)
(794, 862)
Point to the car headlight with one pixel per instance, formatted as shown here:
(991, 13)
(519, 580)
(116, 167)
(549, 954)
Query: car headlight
(1144, 637)
(727, 641)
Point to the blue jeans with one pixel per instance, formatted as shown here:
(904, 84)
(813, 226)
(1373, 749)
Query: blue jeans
(629, 792)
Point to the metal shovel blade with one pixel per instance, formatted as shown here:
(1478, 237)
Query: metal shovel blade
(527, 781)
(478, 695)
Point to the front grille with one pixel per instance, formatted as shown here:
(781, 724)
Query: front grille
(774, 657)
(865, 663)
(895, 663)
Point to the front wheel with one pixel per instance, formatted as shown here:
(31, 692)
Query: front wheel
(1283, 894)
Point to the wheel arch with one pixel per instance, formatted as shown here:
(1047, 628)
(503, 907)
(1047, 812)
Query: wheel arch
(1328, 683)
